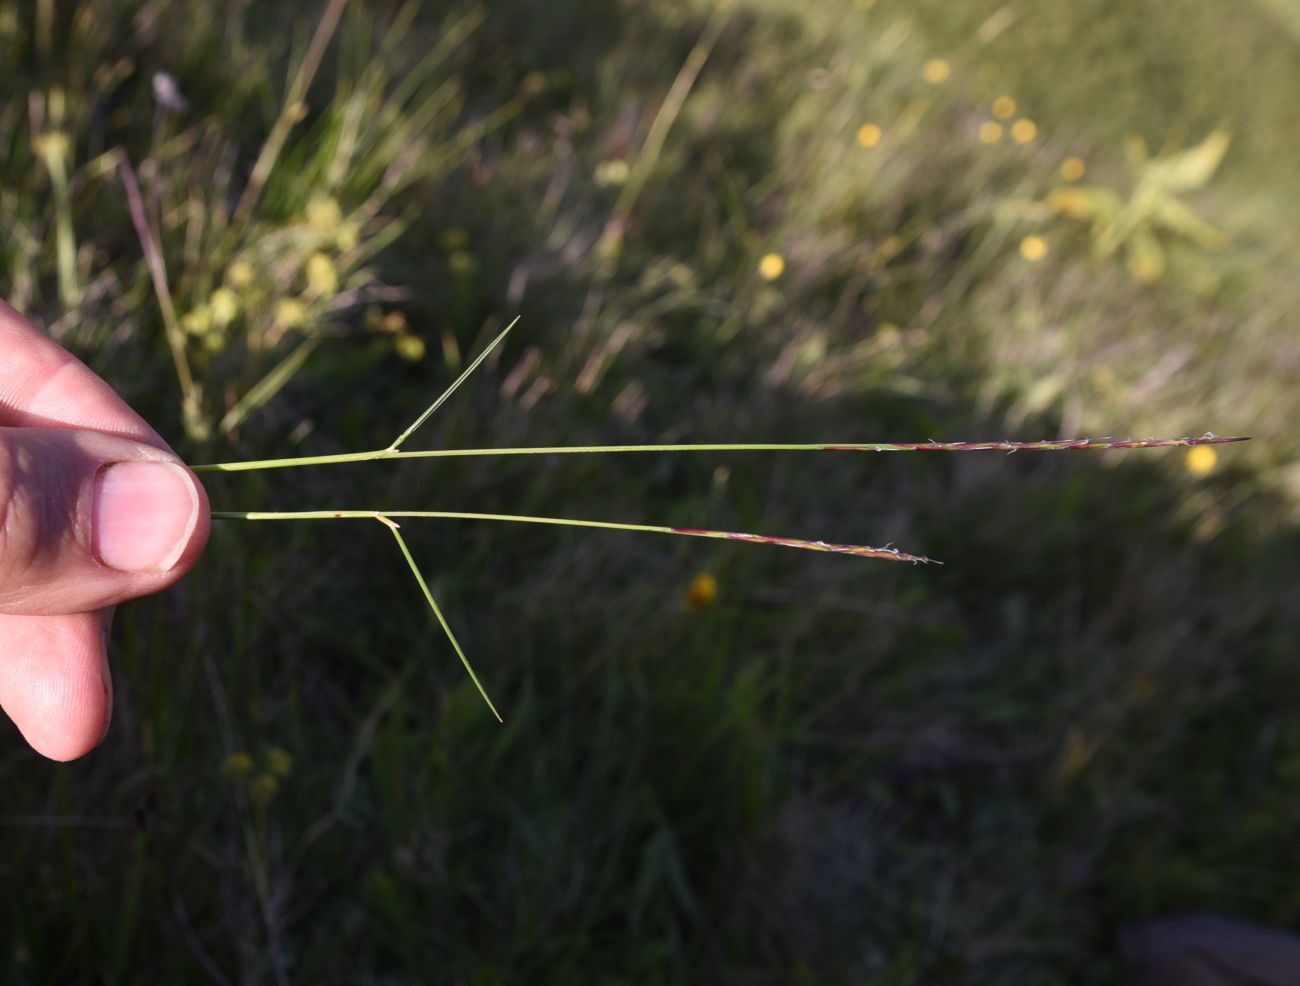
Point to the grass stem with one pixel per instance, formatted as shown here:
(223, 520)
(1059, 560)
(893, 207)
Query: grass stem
(392, 452)
(861, 551)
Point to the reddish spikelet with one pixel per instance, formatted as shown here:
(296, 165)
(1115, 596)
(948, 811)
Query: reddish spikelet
(857, 550)
(1055, 445)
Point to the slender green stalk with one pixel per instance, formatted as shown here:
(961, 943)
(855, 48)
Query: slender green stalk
(65, 235)
(452, 389)
(859, 550)
(437, 610)
(291, 112)
(392, 453)
(669, 110)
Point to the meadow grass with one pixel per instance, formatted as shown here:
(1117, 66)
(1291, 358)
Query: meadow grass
(722, 227)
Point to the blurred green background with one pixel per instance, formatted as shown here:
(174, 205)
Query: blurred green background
(750, 221)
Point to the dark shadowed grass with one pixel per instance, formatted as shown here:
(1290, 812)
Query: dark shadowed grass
(833, 771)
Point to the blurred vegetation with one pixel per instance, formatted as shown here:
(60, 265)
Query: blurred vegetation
(846, 221)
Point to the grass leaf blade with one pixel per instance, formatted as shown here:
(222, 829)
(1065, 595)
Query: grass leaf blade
(437, 610)
(452, 389)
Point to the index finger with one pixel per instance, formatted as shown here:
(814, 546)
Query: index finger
(42, 385)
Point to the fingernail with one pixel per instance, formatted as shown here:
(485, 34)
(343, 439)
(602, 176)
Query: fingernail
(145, 513)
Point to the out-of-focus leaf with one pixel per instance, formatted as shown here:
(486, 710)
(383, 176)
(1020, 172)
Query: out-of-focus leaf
(1176, 217)
(1195, 166)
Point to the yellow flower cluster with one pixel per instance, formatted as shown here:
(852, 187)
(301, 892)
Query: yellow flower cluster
(322, 275)
(290, 313)
(262, 787)
(1004, 108)
(406, 343)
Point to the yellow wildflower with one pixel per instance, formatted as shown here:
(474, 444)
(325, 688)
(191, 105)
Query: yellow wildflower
(612, 173)
(702, 591)
(323, 213)
(990, 132)
(1024, 130)
(237, 765)
(240, 274)
(290, 313)
(937, 70)
(347, 237)
(1201, 460)
(1071, 202)
(225, 306)
(198, 321)
(869, 135)
(279, 761)
(771, 266)
(1033, 248)
(410, 347)
(1004, 107)
(1072, 168)
(322, 276)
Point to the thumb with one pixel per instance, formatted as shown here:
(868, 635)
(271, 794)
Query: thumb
(89, 519)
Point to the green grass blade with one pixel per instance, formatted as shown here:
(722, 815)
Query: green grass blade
(437, 610)
(289, 116)
(452, 389)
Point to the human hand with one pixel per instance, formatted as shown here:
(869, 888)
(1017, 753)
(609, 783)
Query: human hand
(95, 509)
